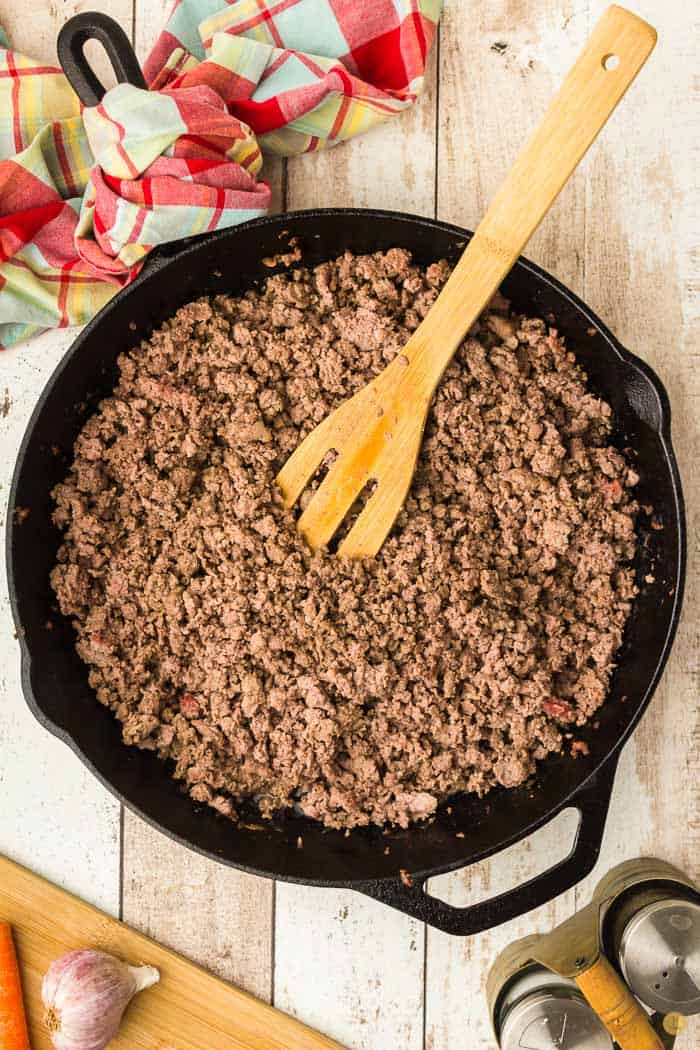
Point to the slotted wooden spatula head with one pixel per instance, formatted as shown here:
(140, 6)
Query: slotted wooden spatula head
(377, 433)
(376, 442)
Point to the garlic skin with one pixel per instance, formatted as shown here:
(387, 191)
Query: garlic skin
(85, 994)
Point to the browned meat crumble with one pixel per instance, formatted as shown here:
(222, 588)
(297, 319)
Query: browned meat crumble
(359, 692)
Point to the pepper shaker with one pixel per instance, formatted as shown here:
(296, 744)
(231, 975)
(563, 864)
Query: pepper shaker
(651, 928)
(539, 1010)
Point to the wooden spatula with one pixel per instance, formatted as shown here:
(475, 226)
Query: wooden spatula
(377, 433)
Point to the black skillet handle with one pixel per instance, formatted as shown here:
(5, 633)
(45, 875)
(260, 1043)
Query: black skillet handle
(71, 43)
(592, 802)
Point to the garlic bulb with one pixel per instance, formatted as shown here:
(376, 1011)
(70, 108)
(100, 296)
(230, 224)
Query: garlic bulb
(85, 994)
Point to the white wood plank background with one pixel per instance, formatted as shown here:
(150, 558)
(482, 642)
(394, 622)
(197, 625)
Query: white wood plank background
(625, 235)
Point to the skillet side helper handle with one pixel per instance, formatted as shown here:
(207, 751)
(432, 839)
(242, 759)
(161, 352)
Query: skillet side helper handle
(617, 48)
(617, 1008)
(93, 25)
(591, 800)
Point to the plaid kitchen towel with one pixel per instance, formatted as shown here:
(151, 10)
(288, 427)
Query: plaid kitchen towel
(85, 195)
(304, 74)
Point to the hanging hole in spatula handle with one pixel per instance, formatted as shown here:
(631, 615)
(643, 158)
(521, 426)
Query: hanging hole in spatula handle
(92, 25)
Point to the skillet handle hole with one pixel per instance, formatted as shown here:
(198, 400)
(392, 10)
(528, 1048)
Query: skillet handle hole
(525, 860)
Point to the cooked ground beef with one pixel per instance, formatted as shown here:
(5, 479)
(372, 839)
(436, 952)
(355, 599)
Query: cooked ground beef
(359, 692)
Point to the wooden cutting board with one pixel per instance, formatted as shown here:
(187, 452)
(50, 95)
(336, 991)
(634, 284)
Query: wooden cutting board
(187, 1010)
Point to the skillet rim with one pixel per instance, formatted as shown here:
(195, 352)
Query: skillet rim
(173, 253)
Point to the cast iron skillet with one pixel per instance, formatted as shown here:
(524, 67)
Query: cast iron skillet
(55, 681)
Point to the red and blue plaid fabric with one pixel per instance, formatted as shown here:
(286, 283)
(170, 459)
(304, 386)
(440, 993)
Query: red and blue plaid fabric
(85, 195)
(304, 74)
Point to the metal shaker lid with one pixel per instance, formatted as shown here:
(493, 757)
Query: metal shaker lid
(660, 956)
(541, 1011)
(547, 1021)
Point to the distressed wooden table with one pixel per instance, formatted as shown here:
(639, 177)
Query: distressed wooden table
(625, 236)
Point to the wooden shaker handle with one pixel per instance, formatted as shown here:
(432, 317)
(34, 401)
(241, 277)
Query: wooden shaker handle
(617, 1008)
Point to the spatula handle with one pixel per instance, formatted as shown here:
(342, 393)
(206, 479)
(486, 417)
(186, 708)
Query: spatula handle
(617, 49)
